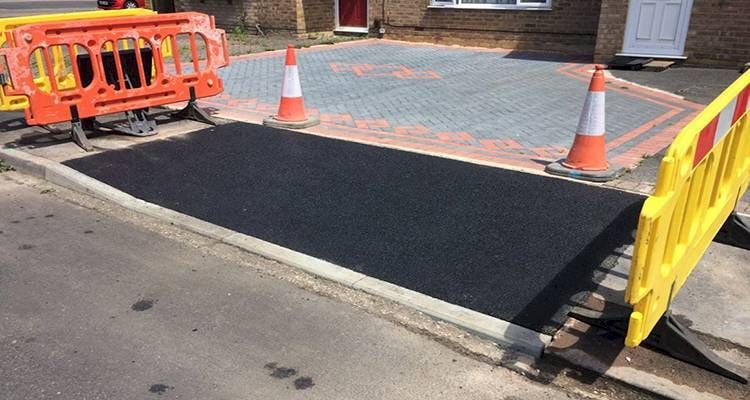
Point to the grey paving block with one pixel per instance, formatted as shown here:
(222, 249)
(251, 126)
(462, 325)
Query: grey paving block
(489, 95)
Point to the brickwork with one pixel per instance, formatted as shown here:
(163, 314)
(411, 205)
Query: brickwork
(228, 13)
(299, 16)
(611, 31)
(276, 14)
(570, 26)
(719, 33)
(315, 15)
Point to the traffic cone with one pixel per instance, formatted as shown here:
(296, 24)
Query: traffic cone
(587, 158)
(291, 107)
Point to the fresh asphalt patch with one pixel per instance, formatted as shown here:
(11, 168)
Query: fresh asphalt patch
(512, 245)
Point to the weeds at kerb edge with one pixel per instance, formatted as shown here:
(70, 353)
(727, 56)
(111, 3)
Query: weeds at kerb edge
(5, 167)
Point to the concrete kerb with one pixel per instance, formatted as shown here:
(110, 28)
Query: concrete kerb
(504, 333)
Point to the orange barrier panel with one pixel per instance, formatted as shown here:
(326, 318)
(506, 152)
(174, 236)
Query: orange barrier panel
(107, 81)
(9, 24)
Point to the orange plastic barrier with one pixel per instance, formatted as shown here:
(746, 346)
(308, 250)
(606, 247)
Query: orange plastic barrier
(108, 81)
(7, 25)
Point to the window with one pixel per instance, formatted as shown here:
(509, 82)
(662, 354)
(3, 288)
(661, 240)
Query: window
(494, 4)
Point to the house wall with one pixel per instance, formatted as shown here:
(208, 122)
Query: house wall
(718, 35)
(570, 26)
(315, 15)
(270, 14)
(227, 13)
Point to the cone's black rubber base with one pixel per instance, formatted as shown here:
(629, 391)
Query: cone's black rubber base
(275, 123)
(557, 168)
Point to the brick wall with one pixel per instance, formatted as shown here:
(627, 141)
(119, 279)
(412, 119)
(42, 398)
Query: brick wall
(270, 14)
(611, 31)
(298, 16)
(227, 12)
(718, 34)
(570, 26)
(276, 14)
(315, 15)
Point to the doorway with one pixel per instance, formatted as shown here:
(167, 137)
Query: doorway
(351, 15)
(657, 28)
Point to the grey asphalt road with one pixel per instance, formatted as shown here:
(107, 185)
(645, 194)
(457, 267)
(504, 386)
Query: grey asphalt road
(12, 8)
(94, 306)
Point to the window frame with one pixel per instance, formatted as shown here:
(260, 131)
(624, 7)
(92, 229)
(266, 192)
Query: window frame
(534, 5)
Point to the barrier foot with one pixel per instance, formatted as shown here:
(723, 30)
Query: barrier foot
(193, 112)
(79, 136)
(138, 124)
(669, 336)
(735, 232)
(77, 132)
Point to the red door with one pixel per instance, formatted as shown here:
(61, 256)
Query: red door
(353, 13)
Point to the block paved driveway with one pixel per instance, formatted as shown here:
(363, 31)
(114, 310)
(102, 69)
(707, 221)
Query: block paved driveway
(491, 106)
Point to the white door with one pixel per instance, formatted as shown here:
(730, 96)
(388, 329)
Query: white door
(657, 27)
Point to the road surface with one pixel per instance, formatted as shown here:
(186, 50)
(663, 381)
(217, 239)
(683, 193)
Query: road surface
(95, 306)
(12, 8)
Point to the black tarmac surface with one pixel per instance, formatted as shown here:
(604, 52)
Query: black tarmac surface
(512, 245)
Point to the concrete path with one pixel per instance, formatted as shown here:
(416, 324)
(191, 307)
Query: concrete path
(98, 306)
(700, 85)
(485, 105)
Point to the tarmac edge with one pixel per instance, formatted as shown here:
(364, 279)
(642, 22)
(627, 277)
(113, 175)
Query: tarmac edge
(504, 333)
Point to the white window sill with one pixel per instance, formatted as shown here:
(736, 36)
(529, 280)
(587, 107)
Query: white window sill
(489, 7)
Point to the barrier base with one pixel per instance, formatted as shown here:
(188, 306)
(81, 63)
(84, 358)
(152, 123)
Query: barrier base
(77, 130)
(79, 136)
(735, 232)
(557, 168)
(275, 123)
(138, 124)
(193, 112)
(669, 336)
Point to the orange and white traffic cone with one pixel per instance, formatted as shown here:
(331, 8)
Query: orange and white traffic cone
(291, 107)
(587, 158)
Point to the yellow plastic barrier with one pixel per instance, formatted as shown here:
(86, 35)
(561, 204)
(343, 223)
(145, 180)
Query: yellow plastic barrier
(7, 25)
(704, 173)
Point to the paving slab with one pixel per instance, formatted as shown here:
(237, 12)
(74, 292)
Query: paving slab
(494, 106)
(700, 85)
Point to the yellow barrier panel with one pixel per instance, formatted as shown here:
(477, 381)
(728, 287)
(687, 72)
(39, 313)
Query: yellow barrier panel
(65, 80)
(704, 173)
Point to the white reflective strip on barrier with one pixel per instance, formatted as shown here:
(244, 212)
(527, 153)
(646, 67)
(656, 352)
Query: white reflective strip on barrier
(592, 117)
(725, 120)
(291, 86)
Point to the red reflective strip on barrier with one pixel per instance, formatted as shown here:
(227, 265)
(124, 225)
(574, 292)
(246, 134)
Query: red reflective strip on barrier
(99, 97)
(742, 103)
(705, 141)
